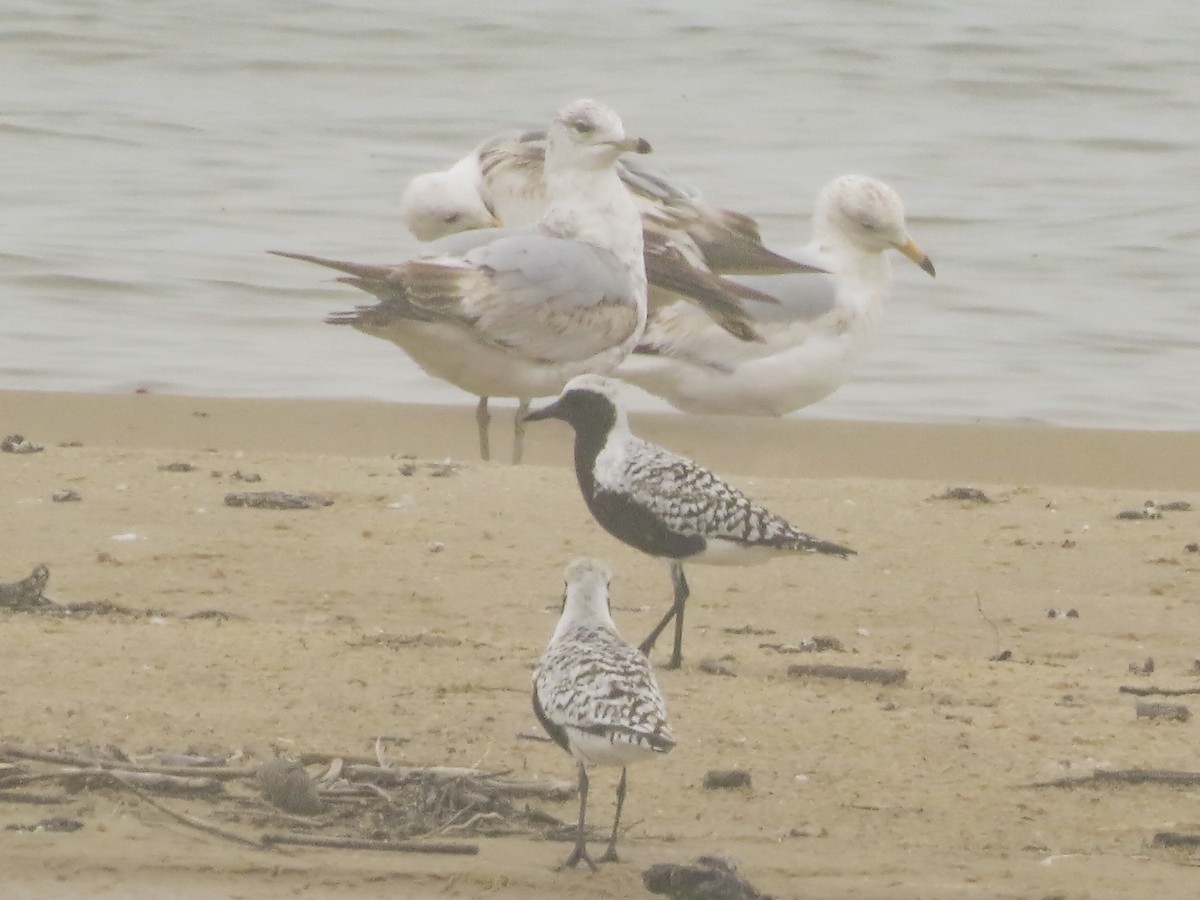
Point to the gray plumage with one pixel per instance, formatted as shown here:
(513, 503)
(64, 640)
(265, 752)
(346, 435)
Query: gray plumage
(517, 312)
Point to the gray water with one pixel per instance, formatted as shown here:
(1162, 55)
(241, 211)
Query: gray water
(1048, 154)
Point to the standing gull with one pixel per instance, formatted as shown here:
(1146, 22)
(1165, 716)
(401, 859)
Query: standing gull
(689, 242)
(595, 695)
(811, 340)
(662, 503)
(517, 312)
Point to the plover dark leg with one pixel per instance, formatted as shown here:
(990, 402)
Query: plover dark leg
(610, 855)
(580, 854)
(681, 594)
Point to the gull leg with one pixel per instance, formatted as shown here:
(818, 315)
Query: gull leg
(610, 855)
(519, 430)
(580, 851)
(675, 612)
(483, 419)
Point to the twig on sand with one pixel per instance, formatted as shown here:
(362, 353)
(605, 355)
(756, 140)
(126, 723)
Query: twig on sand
(1149, 691)
(1176, 839)
(183, 818)
(85, 762)
(1176, 711)
(1124, 776)
(271, 840)
(35, 799)
(868, 674)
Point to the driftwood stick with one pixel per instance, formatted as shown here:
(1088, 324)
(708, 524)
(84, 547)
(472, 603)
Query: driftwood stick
(84, 762)
(313, 758)
(1176, 839)
(271, 840)
(1124, 776)
(183, 818)
(153, 781)
(868, 674)
(494, 783)
(1176, 711)
(1139, 691)
(12, 781)
(148, 780)
(37, 799)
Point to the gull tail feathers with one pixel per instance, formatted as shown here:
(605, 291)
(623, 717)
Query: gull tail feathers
(362, 271)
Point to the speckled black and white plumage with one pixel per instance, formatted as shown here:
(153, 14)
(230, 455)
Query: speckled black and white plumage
(662, 503)
(595, 695)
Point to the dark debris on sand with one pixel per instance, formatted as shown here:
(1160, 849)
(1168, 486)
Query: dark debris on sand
(708, 878)
(277, 500)
(28, 596)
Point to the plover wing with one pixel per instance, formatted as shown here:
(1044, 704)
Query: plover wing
(690, 502)
(598, 698)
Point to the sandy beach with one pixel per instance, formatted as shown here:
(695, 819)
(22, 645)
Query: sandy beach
(415, 605)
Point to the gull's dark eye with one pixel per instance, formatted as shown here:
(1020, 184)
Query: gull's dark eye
(868, 224)
(451, 218)
(583, 127)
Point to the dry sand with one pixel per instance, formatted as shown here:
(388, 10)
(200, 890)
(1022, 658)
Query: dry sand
(356, 626)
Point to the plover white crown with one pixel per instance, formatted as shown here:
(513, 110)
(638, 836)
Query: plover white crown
(663, 503)
(518, 312)
(689, 242)
(597, 696)
(812, 338)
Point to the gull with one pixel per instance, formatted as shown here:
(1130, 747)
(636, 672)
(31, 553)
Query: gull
(517, 312)
(811, 339)
(688, 240)
(596, 696)
(662, 503)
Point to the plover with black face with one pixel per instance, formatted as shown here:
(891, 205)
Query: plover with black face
(662, 503)
(518, 312)
(596, 696)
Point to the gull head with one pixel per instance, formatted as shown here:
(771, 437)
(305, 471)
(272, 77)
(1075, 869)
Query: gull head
(441, 203)
(869, 214)
(588, 403)
(587, 134)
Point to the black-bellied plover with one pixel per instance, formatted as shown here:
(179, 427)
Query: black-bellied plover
(663, 503)
(689, 243)
(597, 696)
(812, 338)
(518, 312)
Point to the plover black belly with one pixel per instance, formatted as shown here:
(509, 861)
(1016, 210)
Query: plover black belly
(664, 504)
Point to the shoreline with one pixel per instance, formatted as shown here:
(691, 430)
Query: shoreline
(1002, 453)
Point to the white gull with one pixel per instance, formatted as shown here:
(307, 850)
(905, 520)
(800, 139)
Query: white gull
(689, 242)
(811, 340)
(517, 312)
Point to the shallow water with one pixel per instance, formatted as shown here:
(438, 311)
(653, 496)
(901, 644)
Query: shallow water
(1049, 159)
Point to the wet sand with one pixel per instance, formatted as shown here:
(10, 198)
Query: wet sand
(415, 606)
